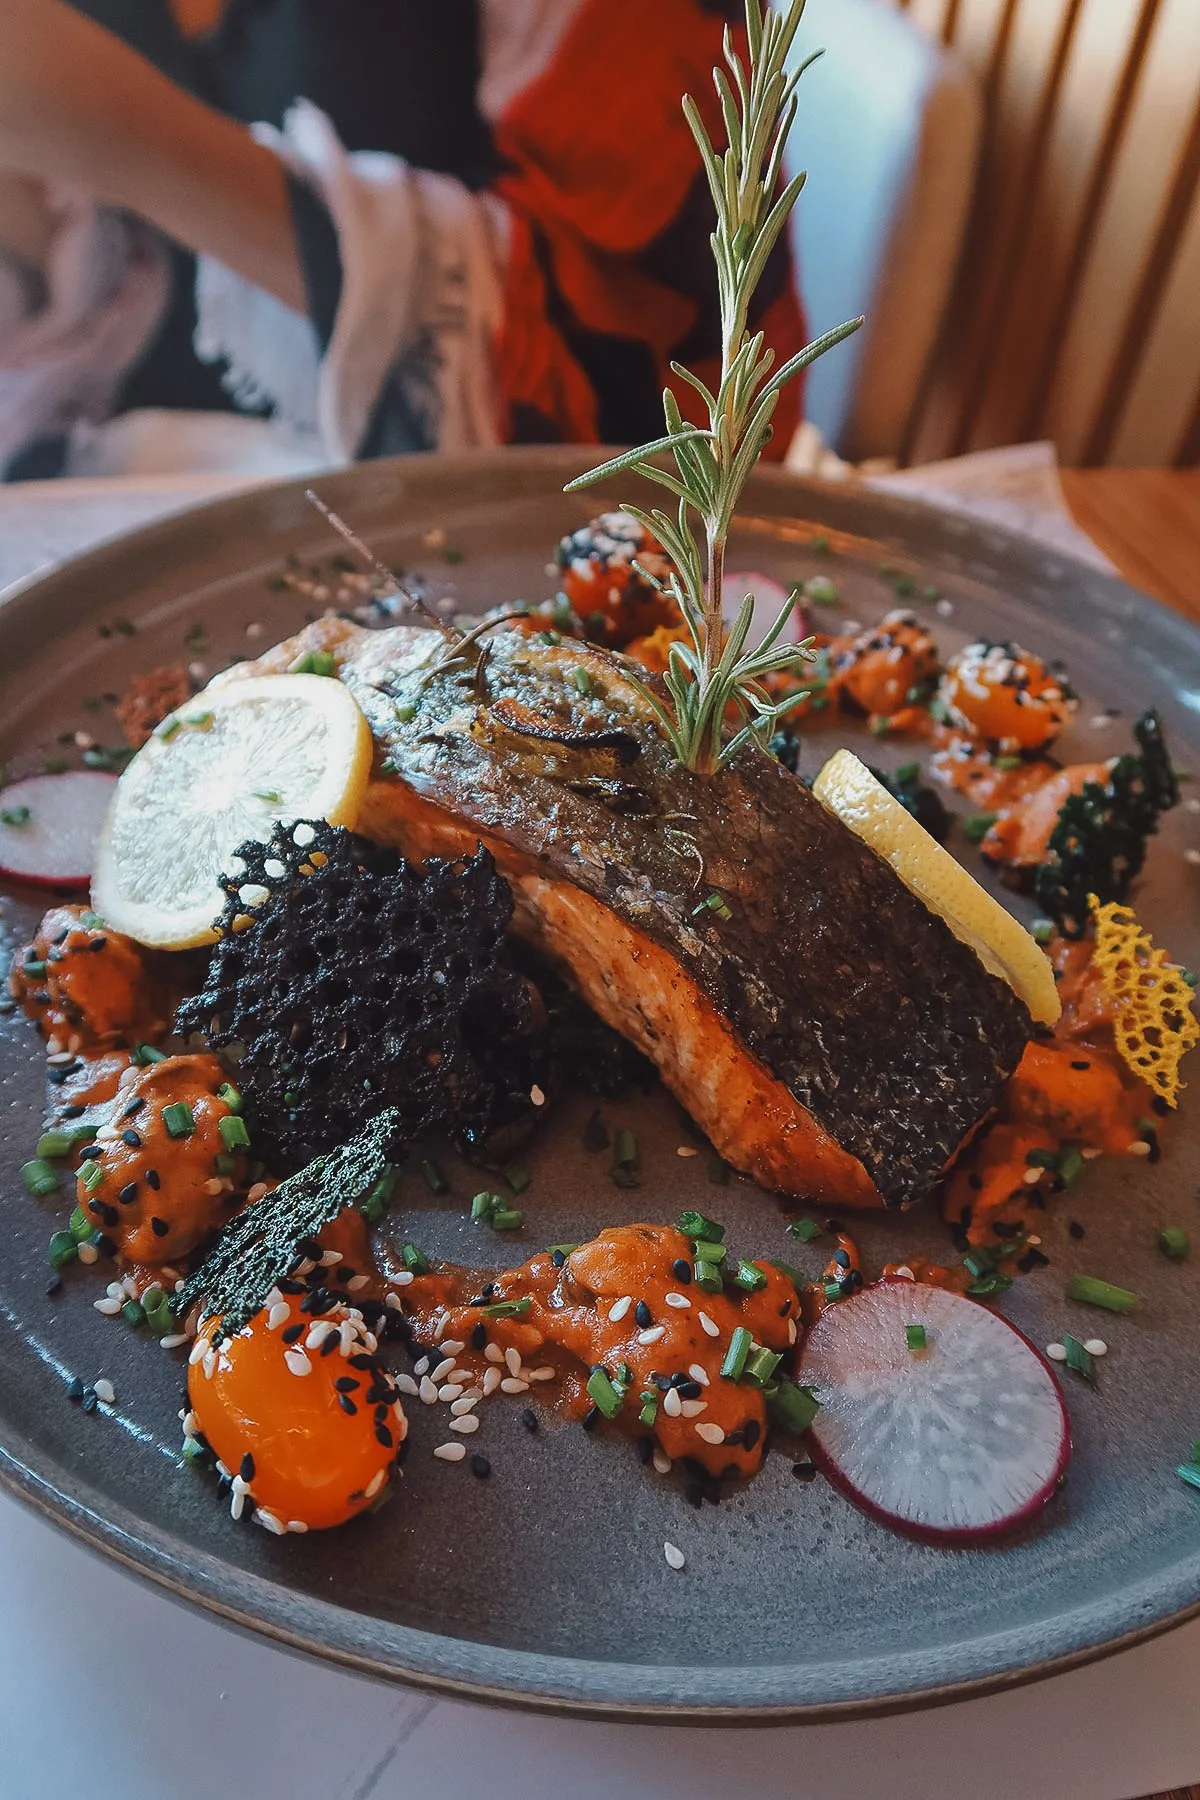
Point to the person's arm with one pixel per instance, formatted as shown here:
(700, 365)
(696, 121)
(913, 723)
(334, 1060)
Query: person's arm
(78, 106)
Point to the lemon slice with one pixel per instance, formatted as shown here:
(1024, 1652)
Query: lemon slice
(848, 788)
(221, 770)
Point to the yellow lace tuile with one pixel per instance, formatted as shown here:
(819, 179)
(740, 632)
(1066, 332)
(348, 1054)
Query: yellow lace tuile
(1154, 1025)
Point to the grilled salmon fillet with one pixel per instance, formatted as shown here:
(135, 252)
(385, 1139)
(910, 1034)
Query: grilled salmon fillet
(832, 1037)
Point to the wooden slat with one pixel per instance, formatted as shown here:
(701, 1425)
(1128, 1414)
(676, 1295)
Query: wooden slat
(1148, 522)
(1160, 405)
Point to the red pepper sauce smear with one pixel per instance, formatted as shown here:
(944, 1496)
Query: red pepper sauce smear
(160, 1190)
(1006, 696)
(604, 1304)
(88, 988)
(1069, 1092)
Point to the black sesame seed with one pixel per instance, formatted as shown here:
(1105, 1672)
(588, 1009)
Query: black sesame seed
(689, 1390)
(557, 1258)
(97, 943)
(480, 1466)
(975, 1182)
(733, 1437)
(591, 1418)
(751, 1431)
(54, 1284)
(73, 1112)
(135, 1106)
(804, 1471)
(1081, 1065)
(330, 1343)
(842, 1258)
(131, 1138)
(479, 1336)
(347, 1384)
(362, 1359)
(1076, 1229)
(158, 1226)
(347, 1405)
(833, 1226)
(1005, 1228)
(682, 1271)
(383, 1436)
(529, 1419)
(643, 1449)
(153, 1180)
(75, 1388)
(643, 1315)
(291, 1333)
(1032, 1259)
(128, 1193)
(246, 1467)
(90, 1400)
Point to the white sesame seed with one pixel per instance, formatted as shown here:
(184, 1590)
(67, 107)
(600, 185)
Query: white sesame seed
(402, 1278)
(1091, 1152)
(421, 1366)
(110, 1306)
(279, 1315)
(491, 1381)
(405, 1384)
(680, 1302)
(691, 1409)
(329, 1258)
(297, 1525)
(173, 1340)
(465, 1424)
(198, 1350)
(57, 1056)
(450, 1391)
(536, 1095)
(460, 1407)
(944, 609)
(699, 1373)
(104, 1390)
(376, 1482)
(672, 1405)
(356, 1282)
(297, 1362)
(443, 1369)
(793, 1333)
(651, 1334)
(318, 1333)
(1141, 1148)
(215, 1186)
(129, 1287)
(513, 1358)
(674, 1555)
(1192, 856)
(88, 1253)
(427, 1391)
(347, 1334)
(493, 1353)
(546, 1372)
(660, 1461)
(209, 1365)
(514, 1385)
(1096, 1347)
(237, 1504)
(905, 1273)
(712, 1434)
(472, 1394)
(450, 1452)
(452, 1346)
(1056, 1352)
(270, 1523)
(1031, 1177)
(686, 1150)
(1035, 1241)
(707, 1325)
(619, 1308)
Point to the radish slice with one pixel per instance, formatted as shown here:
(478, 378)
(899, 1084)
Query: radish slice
(53, 822)
(769, 601)
(954, 1443)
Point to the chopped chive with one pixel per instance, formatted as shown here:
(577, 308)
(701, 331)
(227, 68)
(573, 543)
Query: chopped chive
(1079, 1359)
(15, 816)
(792, 1408)
(1093, 1292)
(433, 1175)
(268, 796)
(1070, 1166)
(804, 1229)
(832, 1290)
(980, 1261)
(134, 1313)
(80, 1226)
(61, 1250)
(740, 1346)
(91, 1174)
(507, 1309)
(170, 728)
(159, 1316)
(749, 1277)
(34, 970)
(714, 903)
(708, 1277)
(987, 1285)
(406, 713)
(483, 1205)
(1174, 1242)
(819, 545)
(649, 1409)
(61, 1143)
(595, 1134)
(517, 1178)
(604, 1393)
(976, 827)
(1008, 763)
(313, 662)
(416, 1260)
(39, 1177)
(1190, 1473)
(821, 591)
(1042, 930)
(915, 1338)
(200, 721)
(696, 1225)
(142, 1055)
(1042, 1159)
(230, 1095)
(233, 1132)
(560, 1249)
(761, 1365)
(625, 1148)
(507, 1218)
(582, 680)
(794, 1275)
(705, 1250)
(179, 1119)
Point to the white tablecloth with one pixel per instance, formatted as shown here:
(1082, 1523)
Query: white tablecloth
(110, 1691)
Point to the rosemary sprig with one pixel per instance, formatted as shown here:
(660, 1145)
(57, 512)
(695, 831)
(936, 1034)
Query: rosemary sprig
(262, 1245)
(712, 669)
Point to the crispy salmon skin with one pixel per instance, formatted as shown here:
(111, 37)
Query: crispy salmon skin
(830, 1034)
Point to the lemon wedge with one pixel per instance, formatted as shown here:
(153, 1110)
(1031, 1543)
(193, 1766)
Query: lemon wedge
(848, 788)
(221, 770)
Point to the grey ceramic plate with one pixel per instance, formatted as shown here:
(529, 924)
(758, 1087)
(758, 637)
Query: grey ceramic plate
(546, 1586)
